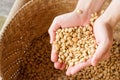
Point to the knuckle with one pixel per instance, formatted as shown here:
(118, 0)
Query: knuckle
(56, 19)
(49, 31)
(56, 66)
(52, 59)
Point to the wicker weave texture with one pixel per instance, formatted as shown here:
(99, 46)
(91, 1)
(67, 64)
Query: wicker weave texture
(25, 44)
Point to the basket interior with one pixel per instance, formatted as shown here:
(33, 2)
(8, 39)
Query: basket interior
(25, 44)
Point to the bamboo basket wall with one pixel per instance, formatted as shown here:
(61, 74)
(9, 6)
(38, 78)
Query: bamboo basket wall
(26, 50)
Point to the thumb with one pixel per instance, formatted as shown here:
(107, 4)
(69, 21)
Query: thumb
(101, 51)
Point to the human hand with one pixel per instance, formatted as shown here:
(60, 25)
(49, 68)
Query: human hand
(69, 20)
(104, 37)
(103, 28)
(66, 20)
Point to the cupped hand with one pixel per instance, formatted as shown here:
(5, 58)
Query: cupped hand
(104, 38)
(103, 34)
(63, 21)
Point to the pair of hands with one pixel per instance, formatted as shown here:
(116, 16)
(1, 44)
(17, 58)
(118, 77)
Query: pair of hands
(102, 31)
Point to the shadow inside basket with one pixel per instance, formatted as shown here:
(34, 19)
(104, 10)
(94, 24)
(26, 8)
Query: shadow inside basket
(26, 50)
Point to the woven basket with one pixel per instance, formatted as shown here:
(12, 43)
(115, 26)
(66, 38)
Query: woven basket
(25, 44)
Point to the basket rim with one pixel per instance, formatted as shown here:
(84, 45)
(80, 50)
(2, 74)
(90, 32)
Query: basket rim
(13, 18)
(5, 27)
(25, 6)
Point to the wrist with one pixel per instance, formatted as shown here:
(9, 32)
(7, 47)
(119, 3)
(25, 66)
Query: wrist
(85, 8)
(112, 15)
(89, 6)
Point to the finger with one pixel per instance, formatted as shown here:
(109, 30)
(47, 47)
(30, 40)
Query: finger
(58, 65)
(53, 28)
(78, 67)
(54, 55)
(100, 52)
(68, 72)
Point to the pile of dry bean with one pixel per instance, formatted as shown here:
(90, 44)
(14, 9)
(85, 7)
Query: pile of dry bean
(75, 44)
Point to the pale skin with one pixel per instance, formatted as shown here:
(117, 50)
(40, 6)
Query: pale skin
(103, 30)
